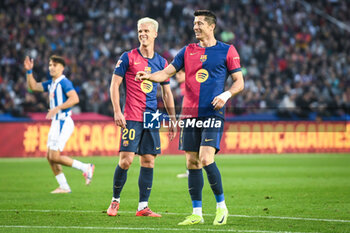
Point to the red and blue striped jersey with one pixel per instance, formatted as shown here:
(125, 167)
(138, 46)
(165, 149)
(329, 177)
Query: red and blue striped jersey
(206, 72)
(140, 95)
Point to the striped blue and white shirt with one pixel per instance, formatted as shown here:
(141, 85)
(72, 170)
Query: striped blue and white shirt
(58, 90)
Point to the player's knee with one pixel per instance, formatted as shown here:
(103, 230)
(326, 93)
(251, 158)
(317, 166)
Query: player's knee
(149, 162)
(54, 157)
(51, 157)
(125, 163)
(193, 163)
(205, 161)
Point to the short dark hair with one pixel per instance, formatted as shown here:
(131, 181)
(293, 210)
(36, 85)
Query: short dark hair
(210, 17)
(58, 59)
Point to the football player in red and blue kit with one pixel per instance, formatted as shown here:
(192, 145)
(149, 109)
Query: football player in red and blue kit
(207, 65)
(140, 98)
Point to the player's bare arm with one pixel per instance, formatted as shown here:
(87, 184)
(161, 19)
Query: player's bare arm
(31, 82)
(168, 100)
(119, 118)
(72, 100)
(157, 77)
(237, 86)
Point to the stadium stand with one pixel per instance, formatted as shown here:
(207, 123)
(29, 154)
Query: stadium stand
(296, 62)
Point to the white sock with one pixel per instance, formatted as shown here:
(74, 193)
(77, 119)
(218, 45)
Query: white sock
(62, 181)
(221, 204)
(198, 211)
(116, 199)
(142, 205)
(80, 166)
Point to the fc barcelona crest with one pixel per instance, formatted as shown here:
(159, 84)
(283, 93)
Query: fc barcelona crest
(203, 58)
(125, 143)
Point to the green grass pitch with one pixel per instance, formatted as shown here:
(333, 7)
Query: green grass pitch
(264, 193)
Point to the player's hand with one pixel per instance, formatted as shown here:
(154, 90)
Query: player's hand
(52, 113)
(28, 63)
(142, 75)
(172, 131)
(218, 103)
(220, 100)
(119, 120)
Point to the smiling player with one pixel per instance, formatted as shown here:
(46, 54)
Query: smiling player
(140, 98)
(207, 65)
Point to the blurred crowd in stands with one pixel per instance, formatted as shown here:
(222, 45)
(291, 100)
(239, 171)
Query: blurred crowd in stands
(295, 62)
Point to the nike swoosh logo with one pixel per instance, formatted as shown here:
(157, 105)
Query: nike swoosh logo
(208, 140)
(157, 148)
(148, 188)
(193, 53)
(222, 219)
(193, 221)
(136, 63)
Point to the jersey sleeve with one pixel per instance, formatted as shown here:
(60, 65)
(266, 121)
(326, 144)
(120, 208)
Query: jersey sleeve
(122, 65)
(233, 60)
(168, 80)
(179, 59)
(46, 85)
(67, 85)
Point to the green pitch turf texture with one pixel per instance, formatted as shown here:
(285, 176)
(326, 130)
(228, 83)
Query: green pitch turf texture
(264, 193)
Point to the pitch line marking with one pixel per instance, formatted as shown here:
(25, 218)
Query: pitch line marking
(141, 229)
(168, 213)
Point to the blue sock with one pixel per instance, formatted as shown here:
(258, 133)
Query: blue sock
(119, 180)
(195, 186)
(214, 178)
(145, 183)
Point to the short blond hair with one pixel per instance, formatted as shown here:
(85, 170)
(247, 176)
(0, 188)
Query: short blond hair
(148, 20)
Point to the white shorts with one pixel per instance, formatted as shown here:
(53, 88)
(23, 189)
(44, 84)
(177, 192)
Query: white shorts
(59, 133)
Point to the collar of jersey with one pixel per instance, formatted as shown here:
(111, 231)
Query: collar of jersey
(58, 79)
(217, 42)
(154, 54)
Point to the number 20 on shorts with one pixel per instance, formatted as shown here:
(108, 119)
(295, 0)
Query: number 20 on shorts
(127, 132)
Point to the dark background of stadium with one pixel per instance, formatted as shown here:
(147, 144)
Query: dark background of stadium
(296, 61)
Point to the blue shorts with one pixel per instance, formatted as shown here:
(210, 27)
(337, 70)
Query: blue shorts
(193, 137)
(139, 140)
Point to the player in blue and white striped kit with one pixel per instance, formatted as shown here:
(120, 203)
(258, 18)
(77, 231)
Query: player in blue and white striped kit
(62, 97)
